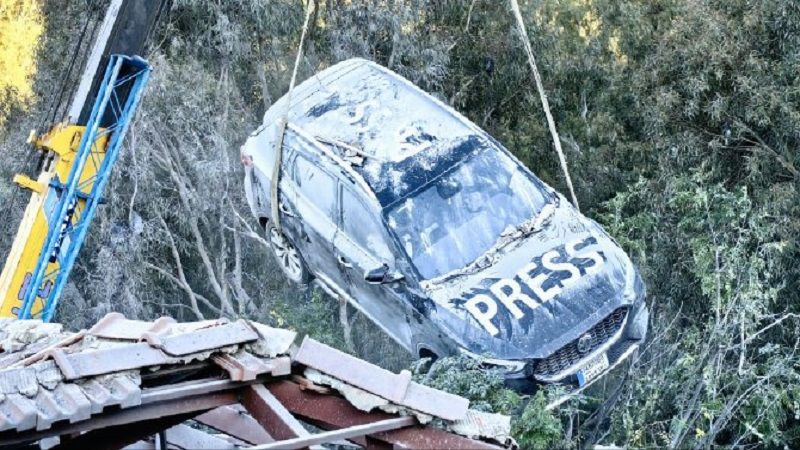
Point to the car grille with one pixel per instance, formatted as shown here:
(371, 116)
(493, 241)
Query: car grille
(568, 355)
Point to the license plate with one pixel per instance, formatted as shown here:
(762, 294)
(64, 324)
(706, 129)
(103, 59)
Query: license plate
(592, 369)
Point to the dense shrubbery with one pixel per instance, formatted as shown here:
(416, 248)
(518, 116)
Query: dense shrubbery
(533, 426)
(680, 119)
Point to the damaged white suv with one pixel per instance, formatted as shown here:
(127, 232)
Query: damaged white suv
(425, 223)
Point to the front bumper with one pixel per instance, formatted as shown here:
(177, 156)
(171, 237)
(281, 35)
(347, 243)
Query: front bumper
(617, 349)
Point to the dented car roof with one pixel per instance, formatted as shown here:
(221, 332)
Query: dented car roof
(406, 136)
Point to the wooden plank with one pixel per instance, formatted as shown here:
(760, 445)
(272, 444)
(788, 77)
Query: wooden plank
(335, 435)
(237, 423)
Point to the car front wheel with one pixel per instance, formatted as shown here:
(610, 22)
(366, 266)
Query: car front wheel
(288, 257)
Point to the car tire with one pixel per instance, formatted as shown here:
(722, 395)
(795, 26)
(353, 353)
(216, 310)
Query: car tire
(288, 257)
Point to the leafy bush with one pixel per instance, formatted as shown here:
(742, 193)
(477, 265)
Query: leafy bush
(468, 378)
(537, 428)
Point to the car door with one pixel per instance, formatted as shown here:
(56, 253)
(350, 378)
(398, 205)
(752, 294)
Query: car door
(309, 209)
(360, 246)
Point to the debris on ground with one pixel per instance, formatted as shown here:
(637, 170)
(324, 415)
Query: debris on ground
(215, 384)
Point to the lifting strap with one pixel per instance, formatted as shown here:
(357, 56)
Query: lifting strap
(276, 168)
(545, 104)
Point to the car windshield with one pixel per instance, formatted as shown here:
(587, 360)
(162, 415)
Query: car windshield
(459, 216)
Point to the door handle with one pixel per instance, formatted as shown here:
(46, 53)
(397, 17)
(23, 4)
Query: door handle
(285, 210)
(343, 262)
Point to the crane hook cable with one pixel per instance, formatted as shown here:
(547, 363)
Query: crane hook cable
(545, 104)
(276, 168)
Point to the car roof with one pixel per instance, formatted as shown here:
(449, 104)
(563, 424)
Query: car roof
(404, 134)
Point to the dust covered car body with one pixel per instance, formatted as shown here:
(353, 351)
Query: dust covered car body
(421, 220)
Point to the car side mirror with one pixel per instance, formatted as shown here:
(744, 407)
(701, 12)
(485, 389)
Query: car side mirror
(382, 275)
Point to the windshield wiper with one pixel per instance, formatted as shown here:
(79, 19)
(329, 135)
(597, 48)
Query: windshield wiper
(526, 228)
(536, 222)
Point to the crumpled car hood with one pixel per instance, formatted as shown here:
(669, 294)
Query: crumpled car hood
(540, 293)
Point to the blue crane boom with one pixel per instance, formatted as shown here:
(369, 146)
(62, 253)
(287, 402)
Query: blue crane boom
(117, 99)
(79, 154)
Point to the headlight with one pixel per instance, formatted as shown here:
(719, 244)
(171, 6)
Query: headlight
(635, 289)
(507, 365)
(637, 327)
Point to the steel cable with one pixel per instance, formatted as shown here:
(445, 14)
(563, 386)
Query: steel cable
(276, 169)
(545, 104)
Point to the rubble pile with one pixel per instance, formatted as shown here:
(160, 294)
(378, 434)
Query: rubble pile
(123, 381)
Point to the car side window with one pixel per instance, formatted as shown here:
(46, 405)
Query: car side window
(316, 185)
(364, 227)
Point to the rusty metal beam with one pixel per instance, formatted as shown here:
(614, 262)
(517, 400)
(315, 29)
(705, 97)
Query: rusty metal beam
(333, 412)
(426, 438)
(271, 414)
(397, 388)
(343, 433)
(160, 410)
(237, 423)
(121, 436)
(370, 443)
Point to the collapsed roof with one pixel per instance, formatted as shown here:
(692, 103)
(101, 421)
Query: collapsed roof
(215, 384)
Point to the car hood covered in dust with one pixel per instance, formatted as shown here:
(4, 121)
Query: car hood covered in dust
(540, 292)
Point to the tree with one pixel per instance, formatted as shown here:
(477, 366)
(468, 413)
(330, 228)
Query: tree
(21, 27)
(679, 119)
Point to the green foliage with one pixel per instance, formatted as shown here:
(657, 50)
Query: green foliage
(533, 426)
(469, 378)
(721, 351)
(537, 428)
(314, 314)
(680, 122)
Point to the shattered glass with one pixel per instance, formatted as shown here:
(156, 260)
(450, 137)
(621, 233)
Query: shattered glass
(457, 217)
